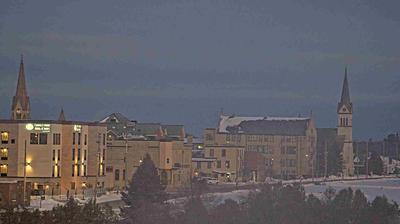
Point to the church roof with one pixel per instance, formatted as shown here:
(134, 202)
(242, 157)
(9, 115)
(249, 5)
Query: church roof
(21, 94)
(61, 117)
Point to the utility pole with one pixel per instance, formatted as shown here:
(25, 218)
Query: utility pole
(97, 166)
(367, 158)
(125, 160)
(24, 175)
(326, 160)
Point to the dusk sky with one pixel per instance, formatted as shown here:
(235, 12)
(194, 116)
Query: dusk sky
(180, 62)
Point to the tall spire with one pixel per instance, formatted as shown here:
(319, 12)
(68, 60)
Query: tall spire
(20, 106)
(345, 98)
(61, 117)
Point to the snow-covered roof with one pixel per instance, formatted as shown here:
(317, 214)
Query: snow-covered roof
(229, 123)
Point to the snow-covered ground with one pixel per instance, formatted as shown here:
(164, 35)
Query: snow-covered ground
(371, 188)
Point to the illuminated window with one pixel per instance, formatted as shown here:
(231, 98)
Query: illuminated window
(4, 153)
(34, 139)
(4, 137)
(3, 170)
(38, 138)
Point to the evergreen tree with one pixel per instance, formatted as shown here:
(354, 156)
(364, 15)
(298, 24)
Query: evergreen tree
(145, 197)
(383, 212)
(195, 212)
(360, 208)
(375, 164)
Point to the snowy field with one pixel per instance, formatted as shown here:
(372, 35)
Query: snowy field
(371, 188)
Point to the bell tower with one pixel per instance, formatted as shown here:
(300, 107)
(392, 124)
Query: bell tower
(20, 109)
(345, 127)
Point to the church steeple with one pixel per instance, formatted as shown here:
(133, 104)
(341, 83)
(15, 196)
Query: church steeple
(61, 117)
(345, 98)
(20, 109)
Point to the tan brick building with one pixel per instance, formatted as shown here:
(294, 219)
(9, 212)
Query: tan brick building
(129, 142)
(222, 162)
(58, 156)
(273, 146)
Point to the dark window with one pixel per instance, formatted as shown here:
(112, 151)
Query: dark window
(56, 139)
(167, 160)
(79, 154)
(12, 141)
(73, 138)
(34, 139)
(123, 174)
(84, 154)
(58, 171)
(208, 165)
(223, 152)
(72, 185)
(85, 139)
(73, 170)
(116, 174)
(53, 168)
(54, 156)
(198, 165)
(58, 155)
(73, 154)
(84, 170)
(104, 154)
(211, 152)
(79, 138)
(43, 138)
(219, 164)
(104, 139)
(78, 168)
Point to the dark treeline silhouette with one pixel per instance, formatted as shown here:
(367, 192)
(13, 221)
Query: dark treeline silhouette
(70, 213)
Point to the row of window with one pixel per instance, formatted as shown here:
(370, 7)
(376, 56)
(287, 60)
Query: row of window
(78, 156)
(344, 121)
(76, 170)
(116, 174)
(223, 153)
(288, 163)
(219, 164)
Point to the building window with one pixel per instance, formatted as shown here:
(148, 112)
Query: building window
(85, 142)
(291, 150)
(123, 174)
(227, 164)
(4, 154)
(219, 164)
(223, 152)
(79, 138)
(43, 138)
(3, 170)
(4, 137)
(198, 165)
(56, 139)
(53, 170)
(58, 155)
(116, 176)
(79, 154)
(78, 169)
(34, 139)
(211, 152)
(84, 170)
(104, 154)
(58, 171)
(54, 154)
(209, 165)
(167, 160)
(73, 138)
(84, 154)
(104, 139)
(73, 170)
(73, 154)
(72, 185)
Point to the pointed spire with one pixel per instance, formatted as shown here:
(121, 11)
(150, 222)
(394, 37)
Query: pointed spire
(20, 109)
(345, 98)
(345, 90)
(21, 85)
(61, 117)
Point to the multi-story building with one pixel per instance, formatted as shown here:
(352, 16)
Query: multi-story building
(222, 162)
(58, 156)
(273, 146)
(129, 142)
